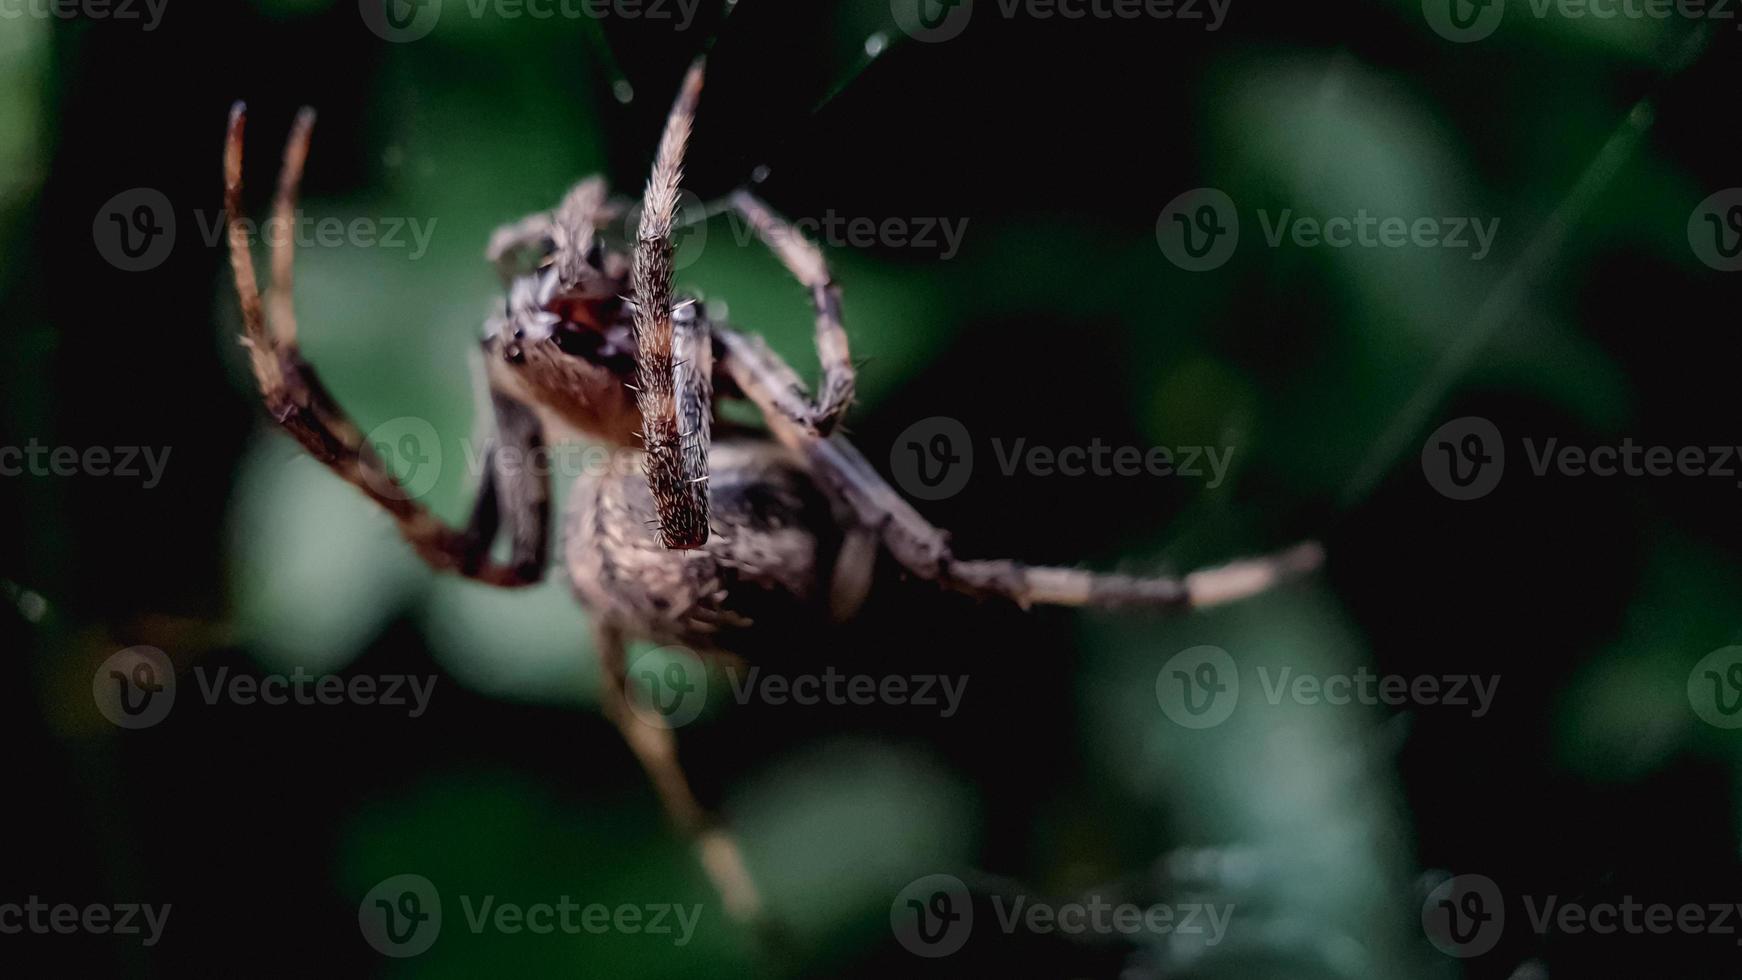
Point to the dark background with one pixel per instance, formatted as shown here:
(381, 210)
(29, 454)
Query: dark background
(1060, 321)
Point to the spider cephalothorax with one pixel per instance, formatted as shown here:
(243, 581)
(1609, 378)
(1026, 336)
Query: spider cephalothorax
(710, 546)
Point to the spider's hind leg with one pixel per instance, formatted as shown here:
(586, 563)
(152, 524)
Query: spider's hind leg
(924, 549)
(656, 747)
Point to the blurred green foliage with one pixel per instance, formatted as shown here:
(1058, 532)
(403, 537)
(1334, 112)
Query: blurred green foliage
(317, 577)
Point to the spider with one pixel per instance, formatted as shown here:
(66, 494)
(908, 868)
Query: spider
(709, 541)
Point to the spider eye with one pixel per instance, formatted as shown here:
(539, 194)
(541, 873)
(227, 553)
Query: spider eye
(596, 254)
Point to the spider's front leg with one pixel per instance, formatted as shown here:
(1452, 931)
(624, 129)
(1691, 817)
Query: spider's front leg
(673, 359)
(301, 404)
(924, 549)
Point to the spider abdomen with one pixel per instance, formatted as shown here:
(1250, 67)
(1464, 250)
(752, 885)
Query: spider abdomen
(765, 567)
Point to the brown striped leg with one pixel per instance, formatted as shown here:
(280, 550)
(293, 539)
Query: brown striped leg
(925, 551)
(672, 371)
(805, 261)
(297, 401)
(655, 746)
